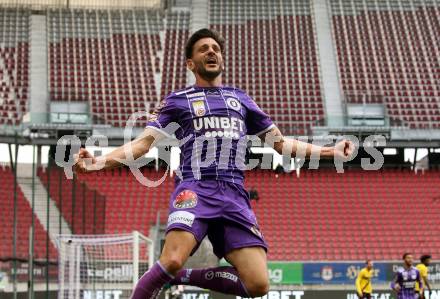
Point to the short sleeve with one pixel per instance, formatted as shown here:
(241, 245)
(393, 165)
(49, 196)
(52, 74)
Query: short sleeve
(257, 121)
(162, 116)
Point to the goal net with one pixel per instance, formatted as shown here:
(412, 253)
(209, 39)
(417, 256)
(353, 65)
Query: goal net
(101, 266)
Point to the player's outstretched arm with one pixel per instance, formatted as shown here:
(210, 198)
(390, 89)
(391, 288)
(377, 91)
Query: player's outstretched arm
(86, 162)
(296, 148)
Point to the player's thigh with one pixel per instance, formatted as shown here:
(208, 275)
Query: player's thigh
(177, 248)
(251, 264)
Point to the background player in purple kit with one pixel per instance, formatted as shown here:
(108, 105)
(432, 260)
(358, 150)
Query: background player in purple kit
(210, 199)
(404, 282)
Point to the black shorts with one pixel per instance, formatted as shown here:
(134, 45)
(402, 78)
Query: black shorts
(366, 296)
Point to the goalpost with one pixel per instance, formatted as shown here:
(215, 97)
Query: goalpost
(102, 266)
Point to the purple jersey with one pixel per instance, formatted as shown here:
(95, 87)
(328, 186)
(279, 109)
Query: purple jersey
(407, 278)
(212, 125)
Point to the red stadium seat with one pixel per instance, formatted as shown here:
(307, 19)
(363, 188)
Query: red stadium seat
(396, 82)
(24, 213)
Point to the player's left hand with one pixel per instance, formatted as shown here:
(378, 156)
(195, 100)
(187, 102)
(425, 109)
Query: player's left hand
(343, 149)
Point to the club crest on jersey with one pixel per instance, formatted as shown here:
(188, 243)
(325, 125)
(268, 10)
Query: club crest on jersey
(199, 107)
(185, 200)
(233, 103)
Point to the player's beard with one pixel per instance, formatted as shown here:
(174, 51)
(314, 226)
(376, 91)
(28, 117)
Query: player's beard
(208, 75)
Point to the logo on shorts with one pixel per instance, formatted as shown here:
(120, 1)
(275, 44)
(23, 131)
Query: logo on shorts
(256, 231)
(185, 200)
(182, 217)
(233, 103)
(199, 107)
(209, 275)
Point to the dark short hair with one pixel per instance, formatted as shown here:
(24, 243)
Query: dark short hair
(203, 33)
(405, 255)
(425, 257)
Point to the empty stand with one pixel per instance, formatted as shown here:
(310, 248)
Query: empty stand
(174, 65)
(271, 53)
(107, 58)
(389, 51)
(14, 64)
(82, 208)
(129, 204)
(24, 221)
(323, 215)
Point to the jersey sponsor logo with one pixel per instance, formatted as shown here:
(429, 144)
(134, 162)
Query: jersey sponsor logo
(199, 108)
(196, 94)
(185, 200)
(233, 103)
(214, 126)
(226, 134)
(182, 217)
(228, 93)
(215, 122)
(409, 284)
(212, 91)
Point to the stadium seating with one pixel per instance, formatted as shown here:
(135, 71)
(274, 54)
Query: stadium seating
(107, 58)
(122, 61)
(129, 204)
(24, 221)
(387, 53)
(271, 53)
(322, 215)
(14, 65)
(81, 207)
(174, 67)
(116, 61)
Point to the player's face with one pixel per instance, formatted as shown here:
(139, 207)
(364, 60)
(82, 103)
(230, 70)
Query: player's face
(427, 262)
(370, 265)
(409, 260)
(206, 60)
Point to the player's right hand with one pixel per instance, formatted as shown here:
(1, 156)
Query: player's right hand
(397, 288)
(84, 161)
(360, 295)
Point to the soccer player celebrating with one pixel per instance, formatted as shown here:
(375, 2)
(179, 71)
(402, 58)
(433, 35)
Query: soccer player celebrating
(404, 282)
(425, 260)
(363, 281)
(210, 199)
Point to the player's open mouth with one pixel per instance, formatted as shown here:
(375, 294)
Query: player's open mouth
(211, 61)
